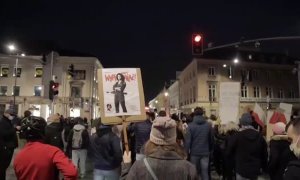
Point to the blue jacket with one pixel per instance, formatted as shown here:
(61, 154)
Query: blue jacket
(199, 137)
(106, 149)
(142, 133)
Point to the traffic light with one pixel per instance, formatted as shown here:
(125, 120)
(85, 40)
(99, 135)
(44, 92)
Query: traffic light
(71, 71)
(53, 89)
(197, 44)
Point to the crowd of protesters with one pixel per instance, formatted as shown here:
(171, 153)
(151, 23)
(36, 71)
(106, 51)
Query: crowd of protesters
(187, 147)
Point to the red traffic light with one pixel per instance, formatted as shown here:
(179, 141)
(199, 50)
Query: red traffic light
(197, 38)
(55, 85)
(197, 44)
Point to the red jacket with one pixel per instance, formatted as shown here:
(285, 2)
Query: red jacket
(38, 161)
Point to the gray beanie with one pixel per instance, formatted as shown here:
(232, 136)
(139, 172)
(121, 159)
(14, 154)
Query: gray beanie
(246, 119)
(163, 131)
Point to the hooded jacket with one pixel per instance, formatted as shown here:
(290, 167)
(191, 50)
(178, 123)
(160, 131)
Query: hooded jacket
(280, 156)
(85, 137)
(293, 170)
(250, 151)
(106, 149)
(199, 137)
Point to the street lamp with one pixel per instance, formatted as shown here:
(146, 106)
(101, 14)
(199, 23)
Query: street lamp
(12, 48)
(236, 60)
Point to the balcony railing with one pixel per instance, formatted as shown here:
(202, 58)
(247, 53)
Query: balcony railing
(252, 99)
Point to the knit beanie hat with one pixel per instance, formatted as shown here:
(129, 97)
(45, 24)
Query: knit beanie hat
(279, 128)
(163, 131)
(246, 119)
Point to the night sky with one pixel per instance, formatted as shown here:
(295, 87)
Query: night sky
(152, 35)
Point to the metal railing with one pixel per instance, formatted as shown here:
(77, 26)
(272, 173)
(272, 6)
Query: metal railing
(252, 99)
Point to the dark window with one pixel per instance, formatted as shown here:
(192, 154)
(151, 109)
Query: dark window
(3, 90)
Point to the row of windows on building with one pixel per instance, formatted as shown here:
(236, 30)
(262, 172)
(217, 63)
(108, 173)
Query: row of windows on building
(18, 71)
(250, 74)
(257, 93)
(37, 91)
(38, 73)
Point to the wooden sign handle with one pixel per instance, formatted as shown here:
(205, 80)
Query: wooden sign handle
(125, 134)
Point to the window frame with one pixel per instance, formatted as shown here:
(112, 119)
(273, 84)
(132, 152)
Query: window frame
(212, 71)
(256, 91)
(244, 91)
(212, 92)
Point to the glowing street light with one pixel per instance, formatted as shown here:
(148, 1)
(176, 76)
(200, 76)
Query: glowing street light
(166, 94)
(236, 61)
(11, 47)
(224, 65)
(23, 55)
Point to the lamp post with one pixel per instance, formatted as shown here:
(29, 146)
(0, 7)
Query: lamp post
(12, 48)
(167, 108)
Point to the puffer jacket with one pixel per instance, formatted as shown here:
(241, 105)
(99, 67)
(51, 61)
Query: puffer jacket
(165, 165)
(199, 137)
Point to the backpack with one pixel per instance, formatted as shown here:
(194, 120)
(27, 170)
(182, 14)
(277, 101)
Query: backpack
(77, 139)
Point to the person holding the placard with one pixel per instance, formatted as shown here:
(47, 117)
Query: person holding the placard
(107, 153)
(118, 88)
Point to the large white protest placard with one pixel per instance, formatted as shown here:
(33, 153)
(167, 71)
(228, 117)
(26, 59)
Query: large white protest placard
(121, 94)
(229, 101)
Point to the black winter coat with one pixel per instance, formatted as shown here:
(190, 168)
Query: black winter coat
(250, 151)
(106, 149)
(293, 170)
(53, 135)
(8, 136)
(280, 156)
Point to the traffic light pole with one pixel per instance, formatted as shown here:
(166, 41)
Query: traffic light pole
(15, 85)
(53, 79)
(253, 41)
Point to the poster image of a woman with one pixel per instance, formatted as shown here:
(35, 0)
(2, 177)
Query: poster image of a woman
(118, 89)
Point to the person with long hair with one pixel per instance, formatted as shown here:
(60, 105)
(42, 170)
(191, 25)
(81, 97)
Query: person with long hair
(164, 158)
(118, 88)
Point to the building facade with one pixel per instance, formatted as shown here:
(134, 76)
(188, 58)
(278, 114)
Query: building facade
(78, 95)
(266, 84)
